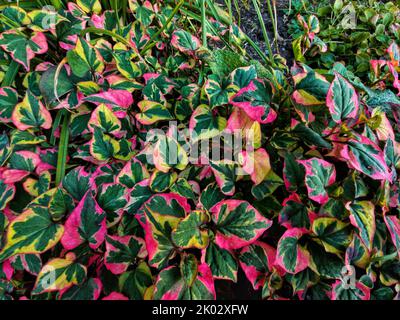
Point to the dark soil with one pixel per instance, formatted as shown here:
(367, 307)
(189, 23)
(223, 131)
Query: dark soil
(250, 25)
(242, 290)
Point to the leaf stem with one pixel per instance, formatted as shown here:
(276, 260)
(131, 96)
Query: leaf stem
(204, 23)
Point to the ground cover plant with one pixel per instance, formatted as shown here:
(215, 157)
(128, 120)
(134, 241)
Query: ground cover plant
(351, 32)
(103, 105)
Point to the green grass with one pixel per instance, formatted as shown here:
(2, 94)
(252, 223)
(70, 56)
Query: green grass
(264, 29)
(63, 147)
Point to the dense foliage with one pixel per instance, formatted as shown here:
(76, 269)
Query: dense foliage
(355, 33)
(92, 208)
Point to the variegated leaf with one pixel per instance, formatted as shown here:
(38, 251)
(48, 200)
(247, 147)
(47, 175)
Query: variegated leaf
(237, 223)
(85, 225)
(32, 232)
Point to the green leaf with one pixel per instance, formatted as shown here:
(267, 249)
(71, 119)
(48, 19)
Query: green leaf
(152, 112)
(184, 189)
(8, 101)
(223, 263)
(320, 174)
(303, 280)
(113, 199)
(128, 68)
(60, 203)
(161, 182)
(334, 234)
(121, 252)
(31, 113)
(7, 192)
(256, 100)
(89, 6)
(310, 137)
(325, 264)
(267, 187)
(159, 216)
(225, 175)
(218, 91)
(393, 225)
(16, 14)
(362, 216)
(237, 223)
(223, 62)
(76, 183)
(134, 283)
(53, 85)
(169, 154)
(31, 232)
(257, 262)
(140, 193)
(85, 225)
(293, 173)
(291, 256)
(23, 49)
(31, 263)
(59, 274)
(43, 20)
(189, 282)
(242, 77)
(132, 173)
(342, 100)
(103, 147)
(204, 125)
(90, 290)
(25, 138)
(185, 42)
(104, 119)
(294, 213)
(365, 156)
(357, 292)
(84, 58)
(311, 88)
(190, 232)
(210, 196)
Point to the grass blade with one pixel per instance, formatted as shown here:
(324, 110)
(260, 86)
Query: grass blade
(11, 74)
(272, 14)
(63, 148)
(264, 30)
(107, 33)
(203, 23)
